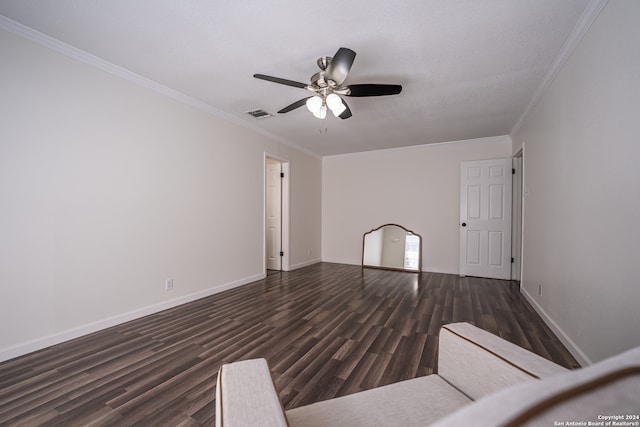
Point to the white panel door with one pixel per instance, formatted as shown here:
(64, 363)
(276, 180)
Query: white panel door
(485, 218)
(274, 215)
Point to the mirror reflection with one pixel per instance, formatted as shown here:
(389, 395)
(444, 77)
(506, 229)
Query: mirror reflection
(392, 247)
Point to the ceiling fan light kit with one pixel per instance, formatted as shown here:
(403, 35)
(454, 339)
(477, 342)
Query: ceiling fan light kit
(318, 105)
(327, 86)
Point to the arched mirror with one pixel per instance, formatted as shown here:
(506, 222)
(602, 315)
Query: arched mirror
(392, 247)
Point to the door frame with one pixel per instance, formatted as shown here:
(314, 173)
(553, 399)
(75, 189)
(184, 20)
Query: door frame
(517, 215)
(284, 212)
(521, 193)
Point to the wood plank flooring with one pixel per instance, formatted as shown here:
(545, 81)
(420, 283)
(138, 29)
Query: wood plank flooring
(326, 330)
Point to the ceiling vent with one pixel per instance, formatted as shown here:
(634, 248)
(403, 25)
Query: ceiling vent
(259, 114)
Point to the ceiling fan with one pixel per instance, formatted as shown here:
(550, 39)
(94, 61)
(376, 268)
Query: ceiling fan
(327, 85)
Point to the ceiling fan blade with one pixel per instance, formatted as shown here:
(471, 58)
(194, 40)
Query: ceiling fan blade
(346, 113)
(281, 81)
(295, 105)
(374, 90)
(340, 65)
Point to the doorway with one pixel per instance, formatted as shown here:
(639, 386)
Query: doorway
(276, 256)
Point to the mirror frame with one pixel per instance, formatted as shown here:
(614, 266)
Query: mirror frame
(419, 270)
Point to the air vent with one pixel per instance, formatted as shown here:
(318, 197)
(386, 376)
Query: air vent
(259, 114)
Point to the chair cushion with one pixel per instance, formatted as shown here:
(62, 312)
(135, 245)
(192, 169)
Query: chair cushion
(608, 388)
(415, 402)
(478, 363)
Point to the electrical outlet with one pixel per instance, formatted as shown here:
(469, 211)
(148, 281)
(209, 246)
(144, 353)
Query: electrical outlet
(539, 288)
(168, 284)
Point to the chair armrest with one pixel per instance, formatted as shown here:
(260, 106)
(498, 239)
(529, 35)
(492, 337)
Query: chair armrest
(477, 362)
(246, 396)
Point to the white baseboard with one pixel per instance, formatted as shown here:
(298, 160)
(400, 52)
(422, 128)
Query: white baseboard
(342, 261)
(564, 338)
(57, 338)
(359, 263)
(304, 264)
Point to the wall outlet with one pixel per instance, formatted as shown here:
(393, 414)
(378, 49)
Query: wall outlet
(168, 284)
(539, 288)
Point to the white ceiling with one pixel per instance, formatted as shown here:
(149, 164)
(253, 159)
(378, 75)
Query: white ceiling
(469, 68)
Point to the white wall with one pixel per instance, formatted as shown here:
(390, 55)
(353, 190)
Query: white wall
(108, 188)
(306, 216)
(581, 153)
(416, 187)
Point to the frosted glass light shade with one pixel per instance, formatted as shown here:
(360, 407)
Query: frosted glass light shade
(337, 111)
(314, 104)
(321, 113)
(333, 101)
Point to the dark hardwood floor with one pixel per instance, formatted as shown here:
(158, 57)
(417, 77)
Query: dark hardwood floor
(327, 330)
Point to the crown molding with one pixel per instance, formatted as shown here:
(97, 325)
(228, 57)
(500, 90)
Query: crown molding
(56, 45)
(506, 138)
(587, 18)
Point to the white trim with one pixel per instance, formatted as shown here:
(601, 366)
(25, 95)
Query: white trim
(304, 264)
(359, 263)
(564, 338)
(57, 338)
(518, 198)
(418, 146)
(286, 211)
(63, 48)
(523, 209)
(587, 18)
(342, 261)
(286, 259)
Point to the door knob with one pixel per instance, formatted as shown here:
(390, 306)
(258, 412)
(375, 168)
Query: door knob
(464, 224)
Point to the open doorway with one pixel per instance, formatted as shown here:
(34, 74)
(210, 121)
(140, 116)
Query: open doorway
(516, 224)
(276, 214)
